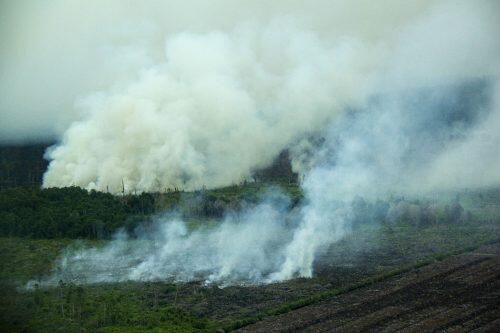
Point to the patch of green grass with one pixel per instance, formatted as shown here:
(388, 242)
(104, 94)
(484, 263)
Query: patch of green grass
(99, 308)
(22, 258)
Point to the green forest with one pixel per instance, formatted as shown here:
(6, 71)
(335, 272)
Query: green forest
(73, 212)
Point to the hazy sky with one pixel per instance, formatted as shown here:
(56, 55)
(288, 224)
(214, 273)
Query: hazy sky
(54, 53)
(193, 93)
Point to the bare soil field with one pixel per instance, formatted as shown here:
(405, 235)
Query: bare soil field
(460, 293)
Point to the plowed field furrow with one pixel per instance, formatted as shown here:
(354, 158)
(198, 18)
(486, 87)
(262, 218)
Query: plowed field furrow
(460, 293)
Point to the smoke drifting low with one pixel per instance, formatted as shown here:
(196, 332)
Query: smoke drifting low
(405, 99)
(244, 248)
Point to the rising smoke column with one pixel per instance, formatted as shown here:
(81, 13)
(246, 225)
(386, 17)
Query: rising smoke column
(220, 97)
(220, 106)
(396, 119)
(270, 243)
(431, 124)
(405, 144)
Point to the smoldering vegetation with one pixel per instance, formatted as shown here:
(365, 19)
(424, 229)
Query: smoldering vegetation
(401, 101)
(243, 247)
(381, 151)
(249, 246)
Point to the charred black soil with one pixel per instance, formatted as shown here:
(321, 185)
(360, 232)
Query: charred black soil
(459, 293)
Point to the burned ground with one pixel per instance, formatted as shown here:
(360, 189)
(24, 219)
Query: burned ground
(366, 280)
(460, 293)
(370, 261)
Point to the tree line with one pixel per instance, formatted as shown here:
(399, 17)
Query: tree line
(73, 212)
(69, 212)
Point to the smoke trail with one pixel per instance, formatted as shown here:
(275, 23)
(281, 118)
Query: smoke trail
(427, 129)
(244, 248)
(410, 139)
(393, 113)
(269, 242)
(391, 147)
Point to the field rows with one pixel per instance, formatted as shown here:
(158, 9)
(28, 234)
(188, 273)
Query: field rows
(459, 293)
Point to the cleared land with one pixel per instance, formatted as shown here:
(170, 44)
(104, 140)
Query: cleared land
(460, 293)
(364, 259)
(364, 282)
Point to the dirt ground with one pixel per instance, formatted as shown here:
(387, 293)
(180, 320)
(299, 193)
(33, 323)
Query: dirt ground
(458, 294)
(368, 253)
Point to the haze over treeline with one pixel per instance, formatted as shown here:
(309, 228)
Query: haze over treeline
(369, 98)
(199, 94)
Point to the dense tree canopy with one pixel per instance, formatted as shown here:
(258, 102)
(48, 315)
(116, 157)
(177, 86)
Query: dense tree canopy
(68, 212)
(73, 212)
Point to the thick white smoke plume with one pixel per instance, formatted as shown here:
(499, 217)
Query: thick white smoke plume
(222, 105)
(56, 52)
(404, 98)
